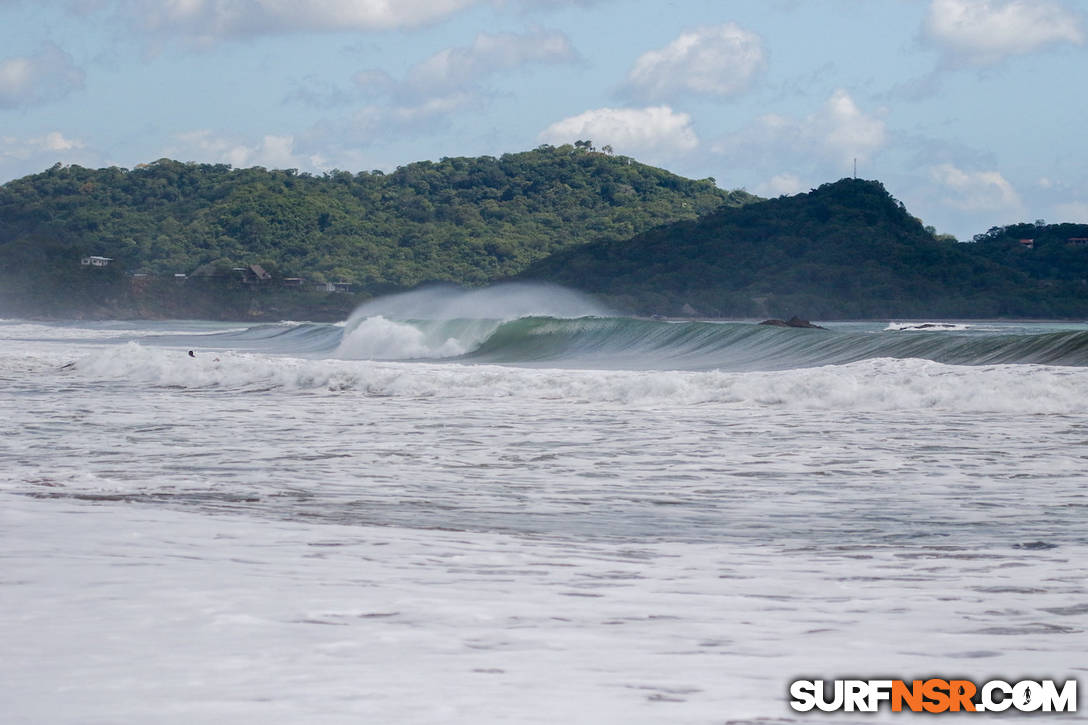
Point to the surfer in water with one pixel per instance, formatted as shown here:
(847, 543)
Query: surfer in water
(193, 355)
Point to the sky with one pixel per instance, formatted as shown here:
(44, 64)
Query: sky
(971, 112)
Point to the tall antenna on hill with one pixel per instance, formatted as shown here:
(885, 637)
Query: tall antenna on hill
(855, 167)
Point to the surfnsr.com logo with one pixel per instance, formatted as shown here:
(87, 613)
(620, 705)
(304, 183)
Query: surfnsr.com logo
(933, 695)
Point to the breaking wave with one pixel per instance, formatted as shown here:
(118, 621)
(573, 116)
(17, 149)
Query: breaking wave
(639, 344)
(543, 325)
(880, 384)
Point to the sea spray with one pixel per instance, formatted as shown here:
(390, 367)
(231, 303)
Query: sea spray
(499, 302)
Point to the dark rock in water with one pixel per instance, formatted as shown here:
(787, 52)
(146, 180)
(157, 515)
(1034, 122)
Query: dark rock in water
(794, 321)
(1035, 545)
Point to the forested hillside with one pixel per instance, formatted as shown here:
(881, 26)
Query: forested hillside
(1055, 252)
(183, 238)
(464, 220)
(845, 250)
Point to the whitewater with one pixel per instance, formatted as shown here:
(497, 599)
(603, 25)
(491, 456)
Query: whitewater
(513, 505)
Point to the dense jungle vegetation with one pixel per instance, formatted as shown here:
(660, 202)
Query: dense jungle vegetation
(464, 220)
(847, 250)
(181, 237)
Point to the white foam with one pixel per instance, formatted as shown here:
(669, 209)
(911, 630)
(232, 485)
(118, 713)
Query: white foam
(255, 539)
(879, 384)
(926, 327)
(378, 338)
(137, 614)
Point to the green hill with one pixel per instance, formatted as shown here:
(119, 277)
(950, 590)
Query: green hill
(183, 236)
(1056, 253)
(464, 220)
(845, 250)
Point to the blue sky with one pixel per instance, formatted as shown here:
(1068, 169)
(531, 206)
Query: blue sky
(972, 112)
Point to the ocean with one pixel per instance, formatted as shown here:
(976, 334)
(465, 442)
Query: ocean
(514, 506)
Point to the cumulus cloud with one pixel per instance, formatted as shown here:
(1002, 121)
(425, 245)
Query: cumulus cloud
(983, 32)
(715, 60)
(838, 132)
(272, 151)
(209, 20)
(50, 142)
(653, 131)
(46, 76)
(56, 141)
(974, 191)
(846, 130)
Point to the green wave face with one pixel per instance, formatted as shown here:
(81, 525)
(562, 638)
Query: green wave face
(625, 343)
(652, 344)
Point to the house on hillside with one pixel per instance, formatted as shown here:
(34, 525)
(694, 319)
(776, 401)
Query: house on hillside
(1027, 243)
(255, 273)
(1078, 241)
(96, 261)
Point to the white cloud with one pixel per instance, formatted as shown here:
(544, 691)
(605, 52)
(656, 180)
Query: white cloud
(53, 141)
(780, 185)
(45, 76)
(983, 32)
(273, 151)
(846, 131)
(208, 20)
(56, 141)
(655, 131)
(715, 60)
(974, 191)
(838, 132)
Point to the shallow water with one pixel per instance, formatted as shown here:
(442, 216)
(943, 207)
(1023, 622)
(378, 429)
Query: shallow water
(275, 532)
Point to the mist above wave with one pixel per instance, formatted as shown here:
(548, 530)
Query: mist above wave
(508, 301)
